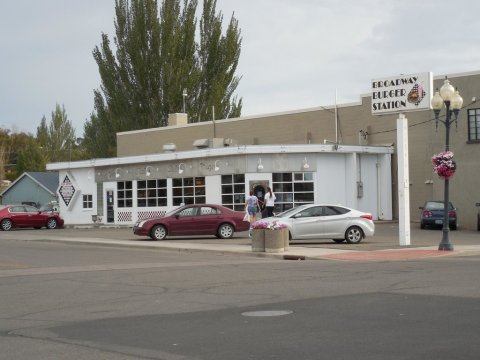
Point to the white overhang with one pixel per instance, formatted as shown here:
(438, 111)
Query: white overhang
(224, 151)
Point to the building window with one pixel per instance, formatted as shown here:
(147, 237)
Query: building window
(88, 201)
(233, 191)
(124, 194)
(152, 193)
(188, 191)
(474, 125)
(292, 189)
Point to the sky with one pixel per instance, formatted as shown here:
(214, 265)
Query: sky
(296, 54)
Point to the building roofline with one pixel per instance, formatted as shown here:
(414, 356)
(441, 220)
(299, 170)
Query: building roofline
(225, 151)
(21, 177)
(330, 107)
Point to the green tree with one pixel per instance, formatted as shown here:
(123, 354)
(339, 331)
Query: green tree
(4, 152)
(218, 57)
(42, 132)
(156, 59)
(30, 157)
(57, 140)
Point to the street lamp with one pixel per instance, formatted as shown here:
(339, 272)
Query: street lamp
(453, 102)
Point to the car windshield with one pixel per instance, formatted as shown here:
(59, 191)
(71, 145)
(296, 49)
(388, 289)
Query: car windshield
(289, 212)
(171, 212)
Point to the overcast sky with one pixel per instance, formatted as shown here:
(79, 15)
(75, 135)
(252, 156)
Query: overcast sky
(295, 53)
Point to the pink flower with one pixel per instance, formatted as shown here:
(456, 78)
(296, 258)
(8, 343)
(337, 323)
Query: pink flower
(443, 164)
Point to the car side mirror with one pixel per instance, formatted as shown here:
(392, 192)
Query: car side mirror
(296, 216)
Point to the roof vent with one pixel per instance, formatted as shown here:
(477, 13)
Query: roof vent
(200, 143)
(170, 147)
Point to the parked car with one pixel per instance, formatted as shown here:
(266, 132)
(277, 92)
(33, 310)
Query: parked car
(16, 216)
(432, 214)
(198, 219)
(323, 221)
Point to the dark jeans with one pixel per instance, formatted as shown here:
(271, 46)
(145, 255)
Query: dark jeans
(269, 211)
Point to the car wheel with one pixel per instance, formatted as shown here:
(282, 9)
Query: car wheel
(6, 224)
(339, 241)
(353, 235)
(225, 231)
(51, 223)
(159, 232)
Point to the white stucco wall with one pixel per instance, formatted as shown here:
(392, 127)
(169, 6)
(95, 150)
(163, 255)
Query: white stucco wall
(84, 183)
(336, 172)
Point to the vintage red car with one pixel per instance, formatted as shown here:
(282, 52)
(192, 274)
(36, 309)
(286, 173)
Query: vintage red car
(16, 216)
(198, 219)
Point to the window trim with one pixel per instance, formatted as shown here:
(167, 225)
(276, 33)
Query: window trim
(86, 200)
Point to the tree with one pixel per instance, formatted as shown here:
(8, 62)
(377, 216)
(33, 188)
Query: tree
(30, 157)
(58, 139)
(156, 58)
(4, 152)
(218, 58)
(19, 152)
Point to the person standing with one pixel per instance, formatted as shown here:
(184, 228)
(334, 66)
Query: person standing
(269, 201)
(252, 207)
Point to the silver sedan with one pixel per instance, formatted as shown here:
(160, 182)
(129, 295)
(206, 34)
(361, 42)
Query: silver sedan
(321, 221)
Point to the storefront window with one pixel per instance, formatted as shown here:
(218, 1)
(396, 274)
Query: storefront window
(188, 191)
(152, 193)
(124, 194)
(292, 189)
(233, 191)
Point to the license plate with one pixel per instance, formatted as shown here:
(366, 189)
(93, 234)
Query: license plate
(439, 222)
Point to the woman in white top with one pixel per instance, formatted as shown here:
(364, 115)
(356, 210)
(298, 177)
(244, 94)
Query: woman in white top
(269, 201)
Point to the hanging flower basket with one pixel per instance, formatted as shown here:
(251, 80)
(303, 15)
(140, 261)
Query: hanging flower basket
(443, 164)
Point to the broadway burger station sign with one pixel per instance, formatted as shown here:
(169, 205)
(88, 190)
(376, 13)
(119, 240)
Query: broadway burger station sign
(402, 93)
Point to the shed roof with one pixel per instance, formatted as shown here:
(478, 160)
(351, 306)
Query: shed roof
(48, 180)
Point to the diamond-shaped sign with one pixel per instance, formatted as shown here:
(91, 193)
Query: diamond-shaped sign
(66, 190)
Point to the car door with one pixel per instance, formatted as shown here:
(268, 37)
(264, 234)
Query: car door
(35, 218)
(183, 222)
(208, 218)
(306, 224)
(335, 221)
(19, 216)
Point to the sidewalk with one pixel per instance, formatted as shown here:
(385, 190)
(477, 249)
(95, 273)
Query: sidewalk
(382, 247)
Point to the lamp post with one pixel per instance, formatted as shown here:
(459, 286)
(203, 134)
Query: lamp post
(453, 102)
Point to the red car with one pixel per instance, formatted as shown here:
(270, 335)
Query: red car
(199, 219)
(15, 216)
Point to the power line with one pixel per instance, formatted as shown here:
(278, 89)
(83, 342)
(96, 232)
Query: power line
(420, 123)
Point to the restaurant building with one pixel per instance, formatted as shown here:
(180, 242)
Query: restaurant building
(338, 154)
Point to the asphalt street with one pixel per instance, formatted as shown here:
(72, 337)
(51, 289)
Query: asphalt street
(64, 300)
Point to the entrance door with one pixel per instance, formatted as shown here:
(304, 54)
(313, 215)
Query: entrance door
(259, 192)
(110, 206)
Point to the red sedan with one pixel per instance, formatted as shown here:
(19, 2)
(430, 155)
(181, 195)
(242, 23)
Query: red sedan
(199, 219)
(12, 216)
